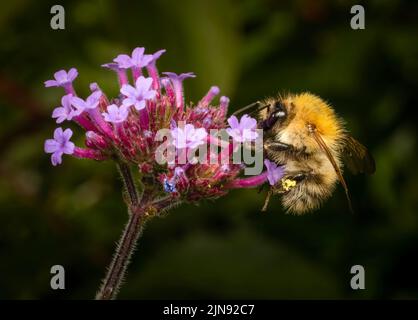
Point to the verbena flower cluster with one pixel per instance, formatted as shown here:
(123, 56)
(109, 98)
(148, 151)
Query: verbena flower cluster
(124, 129)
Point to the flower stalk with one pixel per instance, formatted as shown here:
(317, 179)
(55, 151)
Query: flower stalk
(125, 248)
(128, 241)
(129, 185)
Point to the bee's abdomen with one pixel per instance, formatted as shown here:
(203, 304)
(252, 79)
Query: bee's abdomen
(308, 194)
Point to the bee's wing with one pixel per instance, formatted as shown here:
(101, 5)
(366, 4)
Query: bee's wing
(356, 157)
(321, 143)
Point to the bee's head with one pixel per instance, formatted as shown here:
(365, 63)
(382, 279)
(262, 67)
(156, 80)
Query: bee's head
(277, 113)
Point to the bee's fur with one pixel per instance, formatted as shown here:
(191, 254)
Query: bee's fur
(289, 142)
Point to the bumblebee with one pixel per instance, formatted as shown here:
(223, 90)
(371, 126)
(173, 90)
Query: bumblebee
(303, 133)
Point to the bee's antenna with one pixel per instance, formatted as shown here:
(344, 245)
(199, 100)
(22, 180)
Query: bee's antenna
(256, 104)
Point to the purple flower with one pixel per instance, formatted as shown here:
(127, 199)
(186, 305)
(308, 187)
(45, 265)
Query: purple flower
(243, 130)
(116, 114)
(90, 103)
(65, 112)
(136, 96)
(138, 59)
(62, 78)
(274, 173)
(188, 137)
(59, 145)
(177, 81)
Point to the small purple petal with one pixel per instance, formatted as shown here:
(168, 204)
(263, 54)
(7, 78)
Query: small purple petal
(58, 134)
(51, 83)
(112, 66)
(158, 54)
(128, 90)
(56, 158)
(139, 105)
(61, 76)
(274, 173)
(51, 146)
(181, 77)
(123, 61)
(233, 122)
(72, 74)
(67, 134)
(137, 55)
(143, 84)
(116, 114)
(188, 137)
(68, 148)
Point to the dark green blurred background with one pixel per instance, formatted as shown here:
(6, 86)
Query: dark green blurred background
(73, 214)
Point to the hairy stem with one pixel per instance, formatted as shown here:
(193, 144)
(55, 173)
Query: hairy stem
(139, 208)
(129, 185)
(127, 242)
(121, 258)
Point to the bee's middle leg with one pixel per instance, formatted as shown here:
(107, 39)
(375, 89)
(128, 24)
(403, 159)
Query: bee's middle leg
(277, 146)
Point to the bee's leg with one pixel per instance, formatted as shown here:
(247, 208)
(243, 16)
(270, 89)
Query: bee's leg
(266, 202)
(298, 177)
(261, 188)
(290, 181)
(278, 146)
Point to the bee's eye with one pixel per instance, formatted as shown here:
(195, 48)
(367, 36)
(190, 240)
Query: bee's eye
(279, 113)
(278, 106)
(279, 110)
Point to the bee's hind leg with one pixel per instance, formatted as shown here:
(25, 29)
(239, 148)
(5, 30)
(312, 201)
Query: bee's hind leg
(287, 184)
